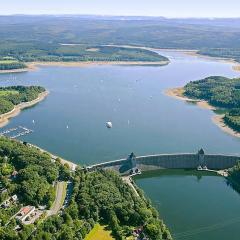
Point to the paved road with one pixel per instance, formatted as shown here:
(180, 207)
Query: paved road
(58, 202)
(129, 182)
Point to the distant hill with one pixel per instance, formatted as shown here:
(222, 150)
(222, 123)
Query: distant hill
(48, 31)
(150, 31)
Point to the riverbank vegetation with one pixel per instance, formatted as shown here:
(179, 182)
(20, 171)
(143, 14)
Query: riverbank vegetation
(220, 92)
(14, 95)
(228, 53)
(103, 197)
(54, 52)
(27, 178)
(11, 64)
(27, 172)
(234, 176)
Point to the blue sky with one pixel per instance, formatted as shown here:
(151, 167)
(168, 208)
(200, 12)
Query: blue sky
(167, 8)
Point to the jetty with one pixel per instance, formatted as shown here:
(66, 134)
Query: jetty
(17, 131)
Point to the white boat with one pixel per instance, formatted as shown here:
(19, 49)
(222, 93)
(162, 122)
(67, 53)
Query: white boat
(109, 124)
(199, 168)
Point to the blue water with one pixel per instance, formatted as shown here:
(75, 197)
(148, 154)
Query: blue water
(145, 121)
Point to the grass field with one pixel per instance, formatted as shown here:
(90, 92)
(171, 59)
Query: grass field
(5, 93)
(99, 233)
(8, 61)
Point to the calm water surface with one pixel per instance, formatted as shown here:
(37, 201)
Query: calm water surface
(194, 206)
(144, 121)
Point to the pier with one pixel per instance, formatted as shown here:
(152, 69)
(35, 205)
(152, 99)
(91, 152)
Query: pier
(17, 131)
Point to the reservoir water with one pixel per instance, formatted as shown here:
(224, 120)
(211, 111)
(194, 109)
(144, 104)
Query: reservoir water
(70, 122)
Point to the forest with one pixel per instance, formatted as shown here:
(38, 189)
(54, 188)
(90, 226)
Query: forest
(48, 52)
(103, 197)
(28, 173)
(14, 95)
(139, 31)
(97, 197)
(220, 92)
(230, 53)
(234, 177)
(11, 64)
(40, 38)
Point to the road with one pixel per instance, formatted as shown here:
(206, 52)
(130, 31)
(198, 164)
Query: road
(59, 199)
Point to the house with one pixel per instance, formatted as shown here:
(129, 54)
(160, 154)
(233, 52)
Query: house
(28, 215)
(14, 198)
(24, 213)
(9, 201)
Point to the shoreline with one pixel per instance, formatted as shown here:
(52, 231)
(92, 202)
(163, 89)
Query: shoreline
(29, 68)
(217, 119)
(71, 164)
(191, 52)
(235, 66)
(5, 117)
(94, 63)
(32, 66)
(178, 94)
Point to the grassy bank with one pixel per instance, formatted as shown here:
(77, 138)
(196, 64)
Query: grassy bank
(99, 232)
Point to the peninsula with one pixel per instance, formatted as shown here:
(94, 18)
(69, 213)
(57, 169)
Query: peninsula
(76, 55)
(215, 93)
(15, 98)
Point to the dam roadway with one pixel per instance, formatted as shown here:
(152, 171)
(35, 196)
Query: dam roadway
(170, 161)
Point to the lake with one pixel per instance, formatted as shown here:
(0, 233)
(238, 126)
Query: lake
(194, 205)
(70, 122)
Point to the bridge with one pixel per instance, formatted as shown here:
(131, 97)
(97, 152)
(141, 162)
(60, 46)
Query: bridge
(133, 164)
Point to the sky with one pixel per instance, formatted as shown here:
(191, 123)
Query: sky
(165, 8)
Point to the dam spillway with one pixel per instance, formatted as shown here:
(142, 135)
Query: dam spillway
(170, 161)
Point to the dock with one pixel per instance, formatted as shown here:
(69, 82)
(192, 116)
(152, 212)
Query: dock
(17, 131)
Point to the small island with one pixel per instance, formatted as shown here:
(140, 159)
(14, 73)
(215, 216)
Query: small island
(15, 98)
(75, 55)
(216, 93)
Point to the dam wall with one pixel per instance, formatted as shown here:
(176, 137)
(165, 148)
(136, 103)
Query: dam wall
(186, 161)
(170, 161)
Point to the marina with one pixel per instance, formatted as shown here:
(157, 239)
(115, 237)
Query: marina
(16, 131)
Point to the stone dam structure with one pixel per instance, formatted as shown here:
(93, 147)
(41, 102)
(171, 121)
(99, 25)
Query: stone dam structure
(169, 161)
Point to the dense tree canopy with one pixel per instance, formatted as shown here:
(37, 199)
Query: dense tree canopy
(97, 197)
(10, 96)
(11, 64)
(36, 172)
(220, 92)
(102, 196)
(234, 176)
(37, 51)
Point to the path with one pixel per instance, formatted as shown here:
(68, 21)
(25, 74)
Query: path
(128, 180)
(59, 199)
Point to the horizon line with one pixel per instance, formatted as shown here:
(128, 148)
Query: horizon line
(108, 15)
